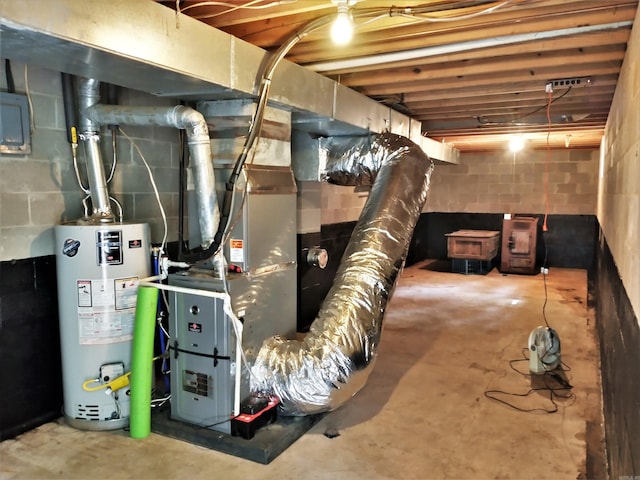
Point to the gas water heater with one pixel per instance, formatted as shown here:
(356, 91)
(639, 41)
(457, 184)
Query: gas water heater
(98, 268)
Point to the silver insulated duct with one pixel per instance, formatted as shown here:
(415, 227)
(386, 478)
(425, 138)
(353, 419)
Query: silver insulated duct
(334, 360)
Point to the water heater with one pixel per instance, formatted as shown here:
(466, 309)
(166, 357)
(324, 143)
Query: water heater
(98, 268)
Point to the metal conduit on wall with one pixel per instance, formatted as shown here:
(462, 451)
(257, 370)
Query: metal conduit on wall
(334, 360)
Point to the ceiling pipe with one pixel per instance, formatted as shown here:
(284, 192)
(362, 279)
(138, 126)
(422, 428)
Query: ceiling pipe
(415, 54)
(334, 360)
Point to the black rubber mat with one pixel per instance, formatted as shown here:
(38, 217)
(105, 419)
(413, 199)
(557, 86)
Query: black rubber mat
(267, 443)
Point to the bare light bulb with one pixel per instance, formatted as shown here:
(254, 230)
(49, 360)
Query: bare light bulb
(342, 28)
(516, 144)
(567, 141)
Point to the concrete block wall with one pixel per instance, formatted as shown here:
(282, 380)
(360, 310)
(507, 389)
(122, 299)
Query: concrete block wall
(481, 183)
(619, 172)
(39, 190)
(617, 282)
(341, 204)
(309, 209)
(496, 182)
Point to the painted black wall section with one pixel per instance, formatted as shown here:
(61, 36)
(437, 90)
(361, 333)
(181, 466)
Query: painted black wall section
(620, 362)
(419, 246)
(570, 242)
(439, 224)
(569, 238)
(314, 283)
(30, 369)
(311, 289)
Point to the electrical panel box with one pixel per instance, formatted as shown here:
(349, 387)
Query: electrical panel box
(519, 240)
(15, 134)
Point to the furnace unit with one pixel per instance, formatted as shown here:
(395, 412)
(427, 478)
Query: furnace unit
(519, 238)
(262, 288)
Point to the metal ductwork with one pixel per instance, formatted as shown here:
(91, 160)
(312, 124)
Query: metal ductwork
(93, 115)
(88, 96)
(334, 360)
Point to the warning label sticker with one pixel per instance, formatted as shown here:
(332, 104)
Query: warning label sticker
(126, 290)
(236, 253)
(106, 310)
(84, 293)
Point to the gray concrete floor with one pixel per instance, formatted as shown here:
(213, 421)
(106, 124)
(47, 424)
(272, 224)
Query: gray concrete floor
(448, 338)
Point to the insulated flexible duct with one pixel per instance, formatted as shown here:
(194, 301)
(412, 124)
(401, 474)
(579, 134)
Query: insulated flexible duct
(335, 359)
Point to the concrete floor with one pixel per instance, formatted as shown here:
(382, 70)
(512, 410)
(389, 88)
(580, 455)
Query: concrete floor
(423, 414)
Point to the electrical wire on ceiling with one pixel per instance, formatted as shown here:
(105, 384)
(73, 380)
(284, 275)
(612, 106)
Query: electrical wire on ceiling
(232, 7)
(455, 18)
(263, 96)
(419, 13)
(485, 123)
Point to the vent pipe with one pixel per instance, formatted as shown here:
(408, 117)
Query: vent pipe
(88, 96)
(334, 360)
(195, 125)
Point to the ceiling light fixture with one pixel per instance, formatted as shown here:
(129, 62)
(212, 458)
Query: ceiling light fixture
(567, 141)
(516, 144)
(342, 27)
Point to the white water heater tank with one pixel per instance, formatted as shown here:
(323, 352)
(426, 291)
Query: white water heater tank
(98, 268)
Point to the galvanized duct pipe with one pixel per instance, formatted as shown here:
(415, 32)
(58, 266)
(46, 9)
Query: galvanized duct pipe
(335, 359)
(198, 140)
(88, 96)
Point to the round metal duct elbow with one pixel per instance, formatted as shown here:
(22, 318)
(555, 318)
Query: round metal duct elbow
(335, 359)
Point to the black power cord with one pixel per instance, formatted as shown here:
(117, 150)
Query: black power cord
(11, 86)
(558, 383)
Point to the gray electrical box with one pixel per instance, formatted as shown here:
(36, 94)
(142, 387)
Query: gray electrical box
(15, 137)
(264, 236)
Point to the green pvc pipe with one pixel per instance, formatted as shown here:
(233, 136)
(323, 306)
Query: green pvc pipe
(142, 362)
